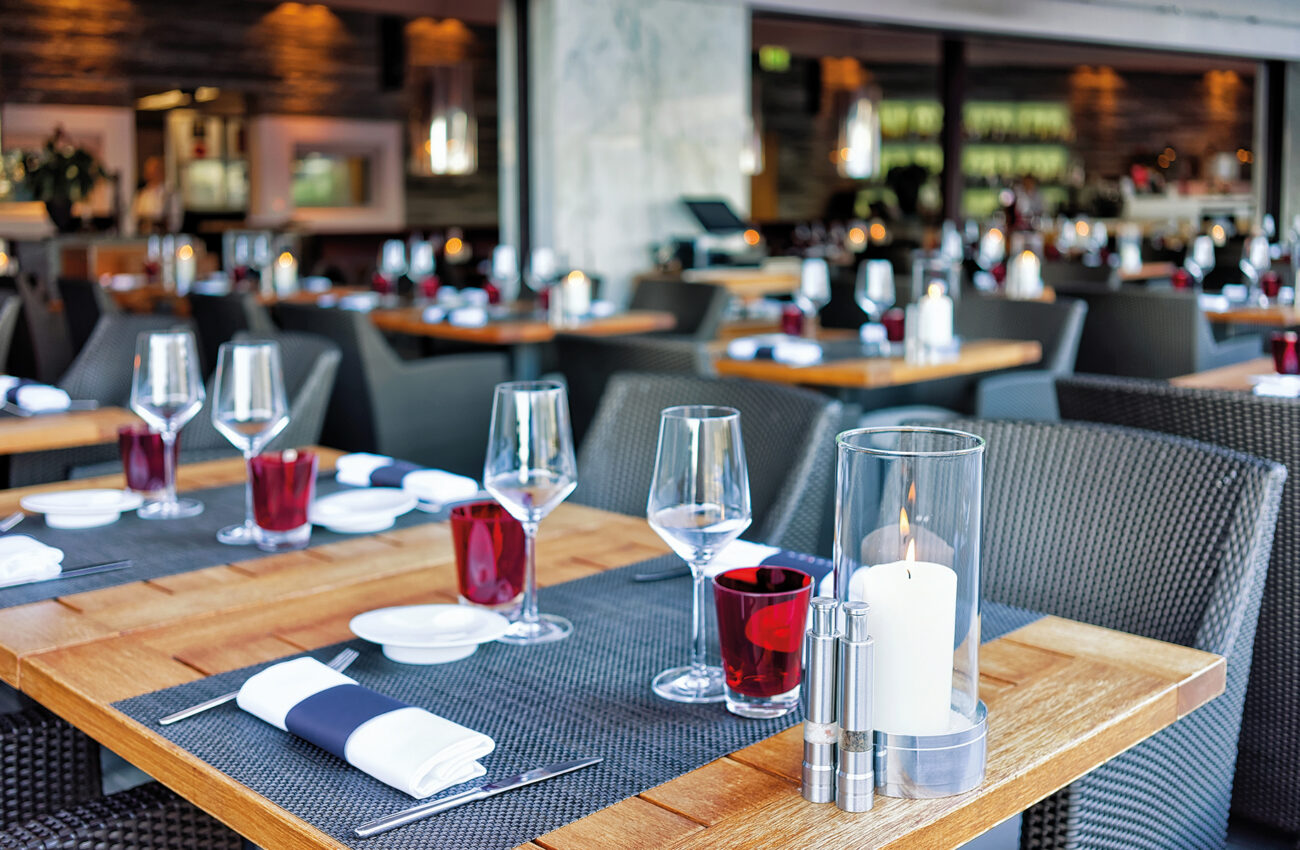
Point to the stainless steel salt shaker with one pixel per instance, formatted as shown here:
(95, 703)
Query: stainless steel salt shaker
(855, 781)
(820, 731)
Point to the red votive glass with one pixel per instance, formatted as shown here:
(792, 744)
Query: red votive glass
(142, 458)
(1286, 352)
(489, 546)
(283, 485)
(792, 320)
(761, 615)
(1270, 283)
(893, 322)
(429, 287)
(1181, 279)
(380, 283)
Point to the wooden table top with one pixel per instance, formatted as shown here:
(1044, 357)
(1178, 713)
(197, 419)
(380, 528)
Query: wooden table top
(1063, 697)
(1148, 271)
(870, 373)
(1234, 377)
(1274, 316)
(746, 282)
(62, 430)
(410, 320)
(147, 298)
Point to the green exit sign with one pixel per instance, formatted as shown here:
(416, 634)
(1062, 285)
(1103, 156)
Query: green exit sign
(773, 57)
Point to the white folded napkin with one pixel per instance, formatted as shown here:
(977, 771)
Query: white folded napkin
(1214, 303)
(434, 486)
(739, 553)
(790, 350)
(1235, 291)
(602, 309)
(317, 283)
(475, 297)
(24, 559)
(413, 750)
(33, 397)
(1280, 386)
(362, 302)
(433, 314)
(468, 317)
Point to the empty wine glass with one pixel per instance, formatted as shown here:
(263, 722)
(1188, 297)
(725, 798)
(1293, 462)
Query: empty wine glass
(248, 408)
(166, 392)
(530, 469)
(874, 290)
(699, 502)
(814, 286)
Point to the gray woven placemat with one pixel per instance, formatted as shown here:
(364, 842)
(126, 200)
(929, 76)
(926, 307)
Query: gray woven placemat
(160, 547)
(586, 696)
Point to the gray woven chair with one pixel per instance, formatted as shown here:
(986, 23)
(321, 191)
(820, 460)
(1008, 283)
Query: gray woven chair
(1267, 786)
(697, 307)
(1153, 535)
(789, 445)
(10, 308)
(84, 303)
(435, 411)
(45, 765)
(41, 348)
(587, 364)
(145, 818)
(217, 318)
(1154, 333)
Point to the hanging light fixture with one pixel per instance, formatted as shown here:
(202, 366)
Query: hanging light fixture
(443, 127)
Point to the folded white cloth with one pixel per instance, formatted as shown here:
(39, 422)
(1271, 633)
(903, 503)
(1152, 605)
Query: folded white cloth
(33, 397)
(434, 486)
(468, 317)
(602, 309)
(1214, 303)
(361, 302)
(1235, 291)
(413, 750)
(739, 553)
(790, 350)
(1281, 386)
(24, 559)
(433, 314)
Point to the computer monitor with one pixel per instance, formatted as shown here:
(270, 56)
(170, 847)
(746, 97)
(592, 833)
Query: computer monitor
(714, 215)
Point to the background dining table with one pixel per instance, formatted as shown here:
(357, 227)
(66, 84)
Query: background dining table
(67, 430)
(1274, 316)
(1232, 377)
(1063, 696)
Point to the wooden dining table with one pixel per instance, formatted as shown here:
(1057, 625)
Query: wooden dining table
(72, 429)
(1233, 377)
(1063, 697)
(1272, 316)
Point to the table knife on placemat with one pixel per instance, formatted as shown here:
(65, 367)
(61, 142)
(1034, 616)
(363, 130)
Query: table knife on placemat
(424, 810)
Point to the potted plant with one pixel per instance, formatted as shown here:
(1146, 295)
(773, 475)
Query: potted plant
(60, 174)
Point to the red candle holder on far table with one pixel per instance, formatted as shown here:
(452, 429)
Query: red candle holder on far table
(1286, 352)
(1270, 284)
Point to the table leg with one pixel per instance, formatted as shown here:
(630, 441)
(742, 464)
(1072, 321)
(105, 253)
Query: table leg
(527, 359)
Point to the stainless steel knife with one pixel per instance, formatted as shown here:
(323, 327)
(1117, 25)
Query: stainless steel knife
(424, 810)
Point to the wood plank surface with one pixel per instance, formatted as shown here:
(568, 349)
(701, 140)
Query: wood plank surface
(410, 320)
(1233, 377)
(746, 282)
(1148, 271)
(868, 373)
(1273, 316)
(62, 430)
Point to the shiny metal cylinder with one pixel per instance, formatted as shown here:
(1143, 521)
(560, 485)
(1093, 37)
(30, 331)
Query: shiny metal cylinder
(820, 731)
(855, 782)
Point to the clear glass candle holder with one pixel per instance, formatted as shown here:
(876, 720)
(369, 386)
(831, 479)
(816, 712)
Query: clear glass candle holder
(933, 267)
(907, 542)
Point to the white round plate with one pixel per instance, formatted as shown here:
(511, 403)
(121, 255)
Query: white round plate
(364, 510)
(82, 508)
(429, 634)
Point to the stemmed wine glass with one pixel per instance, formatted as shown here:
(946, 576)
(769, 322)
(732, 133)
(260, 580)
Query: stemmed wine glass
(699, 502)
(166, 392)
(814, 286)
(249, 408)
(530, 469)
(874, 289)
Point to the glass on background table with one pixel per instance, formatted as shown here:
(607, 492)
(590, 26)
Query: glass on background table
(166, 392)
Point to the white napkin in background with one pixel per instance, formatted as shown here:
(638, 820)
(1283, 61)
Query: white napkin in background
(740, 553)
(1214, 303)
(468, 317)
(413, 750)
(362, 302)
(790, 350)
(1280, 386)
(1235, 292)
(36, 398)
(434, 486)
(24, 559)
(433, 314)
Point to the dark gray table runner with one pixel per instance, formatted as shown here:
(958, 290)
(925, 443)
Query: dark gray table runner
(585, 696)
(160, 547)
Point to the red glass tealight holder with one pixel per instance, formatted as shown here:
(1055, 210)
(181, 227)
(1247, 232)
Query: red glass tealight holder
(893, 322)
(792, 320)
(429, 287)
(283, 485)
(1181, 279)
(381, 283)
(1270, 284)
(490, 555)
(761, 617)
(1286, 352)
(142, 458)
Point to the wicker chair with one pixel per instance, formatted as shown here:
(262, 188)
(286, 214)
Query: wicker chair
(697, 307)
(1153, 535)
(10, 307)
(84, 303)
(40, 348)
(587, 364)
(1267, 786)
(789, 445)
(435, 411)
(45, 765)
(219, 317)
(145, 818)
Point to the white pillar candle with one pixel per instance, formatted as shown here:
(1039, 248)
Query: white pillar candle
(934, 318)
(576, 294)
(186, 267)
(1025, 276)
(285, 274)
(913, 622)
(992, 247)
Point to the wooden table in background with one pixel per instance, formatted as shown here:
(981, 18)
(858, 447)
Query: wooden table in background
(1148, 271)
(1274, 316)
(871, 373)
(746, 283)
(148, 298)
(1063, 697)
(523, 331)
(1234, 377)
(62, 430)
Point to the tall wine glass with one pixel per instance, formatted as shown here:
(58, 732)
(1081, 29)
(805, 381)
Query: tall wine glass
(530, 469)
(699, 502)
(248, 408)
(166, 392)
(814, 286)
(874, 289)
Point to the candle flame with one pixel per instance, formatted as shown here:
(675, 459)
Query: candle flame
(285, 260)
(935, 290)
(911, 493)
(904, 527)
(910, 556)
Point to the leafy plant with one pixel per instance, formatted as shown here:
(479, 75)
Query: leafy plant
(59, 170)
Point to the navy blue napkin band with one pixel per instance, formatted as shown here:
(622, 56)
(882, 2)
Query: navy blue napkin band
(816, 567)
(12, 395)
(329, 718)
(392, 474)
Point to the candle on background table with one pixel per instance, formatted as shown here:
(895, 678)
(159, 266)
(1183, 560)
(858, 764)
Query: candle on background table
(934, 317)
(1025, 276)
(186, 267)
(576, 294)
(285, 274)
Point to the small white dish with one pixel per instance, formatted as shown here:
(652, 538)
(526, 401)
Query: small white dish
(429, 634)
(82, 508)
(361, 511)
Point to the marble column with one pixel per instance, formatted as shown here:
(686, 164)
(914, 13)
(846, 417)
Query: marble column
(635, 104)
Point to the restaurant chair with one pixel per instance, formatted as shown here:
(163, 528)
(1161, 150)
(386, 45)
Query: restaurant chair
(434, 411)
(1073, 277)
(697, 307)
(149, 817)
(217, 318)
(789, 437)
(84, 302)
(10, 308)
(1154, 333)
(40, 348)
(46, 764)
(588, 362)
(1149, 534)
(1267, 786)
